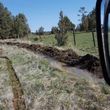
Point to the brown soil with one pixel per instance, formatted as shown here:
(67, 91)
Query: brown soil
(69, 57)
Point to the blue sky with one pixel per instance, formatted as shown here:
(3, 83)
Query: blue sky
(46, 12)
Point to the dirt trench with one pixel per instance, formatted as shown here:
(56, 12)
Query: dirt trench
(69, 57)
(18, 101)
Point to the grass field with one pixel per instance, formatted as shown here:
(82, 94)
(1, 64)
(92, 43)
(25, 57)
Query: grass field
(47, 88)
(84, 42)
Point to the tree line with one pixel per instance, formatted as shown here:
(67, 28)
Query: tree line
(12, 26)
(87, 20)
(65, 25)
(88, 23)
(17, 26)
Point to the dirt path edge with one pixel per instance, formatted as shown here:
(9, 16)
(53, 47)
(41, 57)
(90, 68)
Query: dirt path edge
(18, 101)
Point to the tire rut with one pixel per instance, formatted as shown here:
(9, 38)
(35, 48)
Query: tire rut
(18, 101)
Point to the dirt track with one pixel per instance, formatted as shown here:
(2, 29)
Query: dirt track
(18, 101)
(69, 57)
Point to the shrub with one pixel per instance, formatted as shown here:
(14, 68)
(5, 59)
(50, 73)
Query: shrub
(61, 38)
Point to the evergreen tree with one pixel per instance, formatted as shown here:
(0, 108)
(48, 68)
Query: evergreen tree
(54, 30)
(11, 26)
(92, 19)
(64, 25)
(40, 32)
(6, 22)
(61, 35)
(21, 27)
(84, 19)
(88, 22)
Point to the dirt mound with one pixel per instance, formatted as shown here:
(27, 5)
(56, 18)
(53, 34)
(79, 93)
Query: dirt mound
(69, 57)
(90, 63)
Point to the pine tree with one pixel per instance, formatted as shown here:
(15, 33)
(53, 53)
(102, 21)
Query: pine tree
(11, 26)
(21, 27)
(6, 22)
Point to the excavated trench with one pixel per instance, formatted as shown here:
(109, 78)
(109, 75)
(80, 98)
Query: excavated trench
(18, 100)
(69, 57)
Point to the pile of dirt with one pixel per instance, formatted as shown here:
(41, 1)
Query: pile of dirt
(69, 57)
(90, 63)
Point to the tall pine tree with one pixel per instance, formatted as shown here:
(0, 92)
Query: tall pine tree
(11, 26)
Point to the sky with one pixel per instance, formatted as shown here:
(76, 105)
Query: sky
(46, 12)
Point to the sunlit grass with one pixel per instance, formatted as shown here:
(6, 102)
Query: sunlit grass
(48, 88)
(84, 42)
(6, 94)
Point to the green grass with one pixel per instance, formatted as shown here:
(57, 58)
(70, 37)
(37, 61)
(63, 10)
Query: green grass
(84, 42)
(46, 88)
(45, 39)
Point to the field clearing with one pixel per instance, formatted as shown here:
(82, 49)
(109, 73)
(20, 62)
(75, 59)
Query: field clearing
(48, 88)
(50, 70)
(84, 42)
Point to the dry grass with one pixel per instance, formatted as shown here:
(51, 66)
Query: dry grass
(47, 88)
(6, 94)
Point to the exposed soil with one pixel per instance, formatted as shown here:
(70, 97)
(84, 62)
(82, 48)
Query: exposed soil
(69, 57)
(18, 101)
